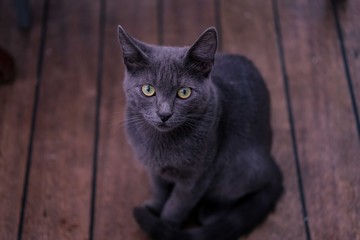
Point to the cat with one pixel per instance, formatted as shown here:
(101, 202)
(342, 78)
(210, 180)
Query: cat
(199, 121)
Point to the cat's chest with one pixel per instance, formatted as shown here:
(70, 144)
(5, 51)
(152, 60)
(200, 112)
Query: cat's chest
(175, 174)
(169, 156)
(172, 162)
(164, 153)
(174, 156)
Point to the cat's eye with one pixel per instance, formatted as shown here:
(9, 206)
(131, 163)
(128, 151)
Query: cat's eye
(184, 93)
(148, 90)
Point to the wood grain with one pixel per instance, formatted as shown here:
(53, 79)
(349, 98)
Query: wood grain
(122, 183)
(16, 104)
(326, 133)
(58, 203)
(248, 29)
(184, 21)
(349, 16)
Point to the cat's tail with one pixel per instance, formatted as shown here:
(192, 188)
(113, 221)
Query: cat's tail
(247, 214)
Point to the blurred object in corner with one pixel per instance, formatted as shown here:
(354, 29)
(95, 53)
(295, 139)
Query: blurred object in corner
(23, 14)
(7, 67)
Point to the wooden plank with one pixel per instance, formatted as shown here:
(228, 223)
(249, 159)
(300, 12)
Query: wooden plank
(184, 21)
(16, 104)
(58, 202)
(248, 29)
(121, 182)
(348, 13)
(326, 133)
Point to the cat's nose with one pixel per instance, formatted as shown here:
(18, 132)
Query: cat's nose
(164, 116)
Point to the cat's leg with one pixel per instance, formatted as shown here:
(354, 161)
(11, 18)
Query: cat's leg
(245, 203)
(182, 201)
(252, 209)
(161, 190)
(211, 210)
(245, 214)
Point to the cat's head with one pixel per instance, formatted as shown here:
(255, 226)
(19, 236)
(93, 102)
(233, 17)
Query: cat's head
(167, 87)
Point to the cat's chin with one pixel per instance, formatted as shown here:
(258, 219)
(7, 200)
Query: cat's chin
(162, 127)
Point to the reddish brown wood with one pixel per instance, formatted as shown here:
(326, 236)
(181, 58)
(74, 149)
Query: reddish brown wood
(350, 25)
(248, 29)
(58, 203)
(122, 183)
(326, 133)
(184, 21)
(16, 104)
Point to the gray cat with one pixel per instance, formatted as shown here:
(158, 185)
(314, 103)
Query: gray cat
(200, 123)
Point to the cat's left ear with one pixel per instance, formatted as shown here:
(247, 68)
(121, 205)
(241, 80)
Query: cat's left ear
(200, 57)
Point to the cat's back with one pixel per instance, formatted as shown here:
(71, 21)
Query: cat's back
(234, 69)
(244, 97)
(237, 77)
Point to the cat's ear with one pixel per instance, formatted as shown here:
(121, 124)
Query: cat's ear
(134, 57)
(200, 57)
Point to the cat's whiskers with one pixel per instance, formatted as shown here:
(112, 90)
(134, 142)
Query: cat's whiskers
(203, 116)
(123, 122)
(117, 123)
(190, 124)
(137, 122)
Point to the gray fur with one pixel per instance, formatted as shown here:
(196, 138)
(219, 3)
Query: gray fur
(211, 158)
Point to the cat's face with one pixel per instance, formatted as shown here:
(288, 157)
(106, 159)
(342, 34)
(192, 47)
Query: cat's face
(167, 87)
(165, 95)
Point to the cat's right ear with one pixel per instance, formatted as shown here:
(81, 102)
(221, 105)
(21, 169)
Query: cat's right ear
(134, 58)
(201, 55)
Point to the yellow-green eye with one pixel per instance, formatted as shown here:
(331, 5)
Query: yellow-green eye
(184, 93)
(148, 90)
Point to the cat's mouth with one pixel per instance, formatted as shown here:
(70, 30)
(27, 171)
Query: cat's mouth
(163, 127)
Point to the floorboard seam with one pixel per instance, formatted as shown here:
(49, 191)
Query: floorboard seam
(290, 116)
(346, 65)
(217, 6)
(160, 21)
(39, 69)
(99, 77)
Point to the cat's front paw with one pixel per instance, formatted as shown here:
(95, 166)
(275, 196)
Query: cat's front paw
(153, 207)
(146, 219)
(150, 223)
(171, 222)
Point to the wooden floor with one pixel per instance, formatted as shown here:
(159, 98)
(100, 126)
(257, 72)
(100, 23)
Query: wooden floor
(66, 171)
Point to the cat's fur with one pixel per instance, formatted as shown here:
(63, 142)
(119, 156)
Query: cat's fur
(211, 158)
